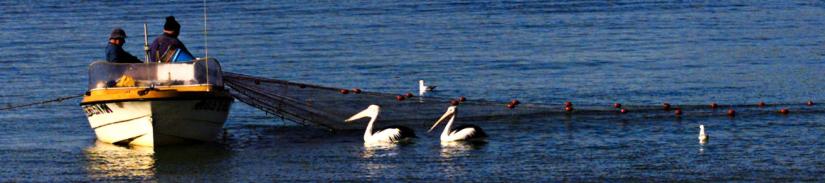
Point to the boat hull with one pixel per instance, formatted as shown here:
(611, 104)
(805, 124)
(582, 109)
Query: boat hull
(158, 122)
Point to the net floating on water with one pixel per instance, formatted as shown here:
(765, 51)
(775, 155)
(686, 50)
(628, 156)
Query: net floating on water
(327, 107)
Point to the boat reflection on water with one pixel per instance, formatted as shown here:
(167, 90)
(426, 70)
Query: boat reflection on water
(107, 161)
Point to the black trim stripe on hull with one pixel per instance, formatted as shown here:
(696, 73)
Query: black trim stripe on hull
(116, 122)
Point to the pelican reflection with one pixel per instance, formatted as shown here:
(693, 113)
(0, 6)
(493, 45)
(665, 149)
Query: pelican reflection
(451, 149)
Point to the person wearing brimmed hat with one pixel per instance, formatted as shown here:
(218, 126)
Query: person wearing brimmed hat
(166, 47)
(115, 52)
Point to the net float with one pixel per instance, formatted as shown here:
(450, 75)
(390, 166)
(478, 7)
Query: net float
(356, 90)
(454, 102)
(810, 103)
(713, 105)
(666, 106)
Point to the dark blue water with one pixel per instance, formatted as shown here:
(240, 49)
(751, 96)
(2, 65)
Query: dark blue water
(590, 52)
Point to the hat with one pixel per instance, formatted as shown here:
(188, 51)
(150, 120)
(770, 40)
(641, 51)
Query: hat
(118, 33)
(171, 24)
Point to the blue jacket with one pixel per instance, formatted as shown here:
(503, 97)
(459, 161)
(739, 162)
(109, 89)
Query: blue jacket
(163, 48)
(115, 53)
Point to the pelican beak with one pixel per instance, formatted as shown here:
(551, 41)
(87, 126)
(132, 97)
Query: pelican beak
(369, 112)
(362, 114)
(446, 115)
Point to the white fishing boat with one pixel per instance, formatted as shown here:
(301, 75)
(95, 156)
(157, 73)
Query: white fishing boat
(151, 104)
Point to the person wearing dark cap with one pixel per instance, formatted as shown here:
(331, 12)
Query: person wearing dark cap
(166, 47)
(115, 52)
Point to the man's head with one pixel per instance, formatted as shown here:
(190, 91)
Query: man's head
(118, 36)
(171, 27)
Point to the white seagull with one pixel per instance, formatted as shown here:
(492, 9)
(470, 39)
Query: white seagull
(703, 138)
(387, 135)
(461, 133)
(424, 88)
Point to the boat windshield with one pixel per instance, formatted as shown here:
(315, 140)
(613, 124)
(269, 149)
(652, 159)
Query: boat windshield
(104, 74)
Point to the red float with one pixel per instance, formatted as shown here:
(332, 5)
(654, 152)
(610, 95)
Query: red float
(399, 97)
(623, 111)
(617, 105)
(678, 112)
(515, 102)
(511, 105)
(454, 102)
(568, 104)
(344, 91)
(408, 95)
(810, 103)
(731, 112)
(462, 99)
(666, 106)
(761, 104)
(568, 108)
(784, 111)
(356, 90)
(713, 105)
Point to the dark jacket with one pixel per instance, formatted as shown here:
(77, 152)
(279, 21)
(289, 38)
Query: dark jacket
(115, 53)
(163, 48)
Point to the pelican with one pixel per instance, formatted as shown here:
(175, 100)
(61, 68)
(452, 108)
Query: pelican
(387, 135)
(424, 88)
(703, 138)
(461, 133)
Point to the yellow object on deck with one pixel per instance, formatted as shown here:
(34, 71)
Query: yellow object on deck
(125, 81)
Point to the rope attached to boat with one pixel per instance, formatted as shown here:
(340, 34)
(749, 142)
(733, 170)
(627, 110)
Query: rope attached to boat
(58, 99)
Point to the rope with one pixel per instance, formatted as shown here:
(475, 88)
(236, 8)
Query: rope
(59, 99)
(206, 45)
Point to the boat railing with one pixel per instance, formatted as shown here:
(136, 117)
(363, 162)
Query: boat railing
(104, 74)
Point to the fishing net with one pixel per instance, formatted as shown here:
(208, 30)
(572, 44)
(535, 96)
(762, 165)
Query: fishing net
(328, 107)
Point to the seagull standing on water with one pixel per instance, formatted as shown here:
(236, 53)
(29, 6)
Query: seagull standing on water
(703, 138)
(467, 133)
(424, 88)
(387, 135)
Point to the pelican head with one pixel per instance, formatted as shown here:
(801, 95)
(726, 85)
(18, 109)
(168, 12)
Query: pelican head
(371, 112)
(450, 113)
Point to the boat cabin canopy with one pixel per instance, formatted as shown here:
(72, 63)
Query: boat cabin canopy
(104, 74)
